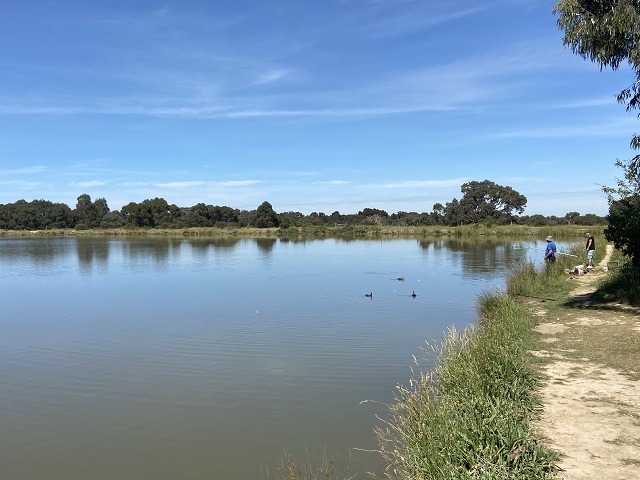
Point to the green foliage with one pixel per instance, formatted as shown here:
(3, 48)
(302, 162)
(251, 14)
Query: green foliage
(608, 33)
(265, 216)
(158, 213)
(624, 213)
(90, 213)
(150, 213)
(112, 220)
(621, 285)
(471, 417)
(487, 199)
(604, 31)
(624, 227)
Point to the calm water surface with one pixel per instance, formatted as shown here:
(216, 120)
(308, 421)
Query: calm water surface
(208, 359)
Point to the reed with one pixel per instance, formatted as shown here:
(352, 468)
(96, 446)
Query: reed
(471, 416)
(346, 231)
(311, 470)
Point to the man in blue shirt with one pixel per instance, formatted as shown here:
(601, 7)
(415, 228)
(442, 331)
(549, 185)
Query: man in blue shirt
(550, 252)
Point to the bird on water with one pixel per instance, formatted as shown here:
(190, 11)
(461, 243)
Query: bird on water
(370, 295)
(414, 294)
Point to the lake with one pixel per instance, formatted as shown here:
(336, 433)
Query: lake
(209, 359)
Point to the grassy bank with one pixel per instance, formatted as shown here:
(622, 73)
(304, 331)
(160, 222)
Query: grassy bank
(345, 231)
(471, 417)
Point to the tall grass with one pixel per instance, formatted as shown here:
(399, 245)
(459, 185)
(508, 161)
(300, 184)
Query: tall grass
(525, 279)
(470, 418)
(311, 470)
(622, 284)
(372, 231)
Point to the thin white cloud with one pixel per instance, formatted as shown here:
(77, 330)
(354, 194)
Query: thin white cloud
(236, 183)
(336, 112)
(20, 183)
(413, 22)
(134, 184)
(179, 184)
(200, 183)
(332, 182)
(273, 75)
(24, 170)
(453, 182)
(91, 183)
(616, 127)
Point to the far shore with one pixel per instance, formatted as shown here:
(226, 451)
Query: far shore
(323, 231)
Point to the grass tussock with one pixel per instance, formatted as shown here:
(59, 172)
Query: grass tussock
(470, 418)
(622, 284)
(526, 280)
(325, 470)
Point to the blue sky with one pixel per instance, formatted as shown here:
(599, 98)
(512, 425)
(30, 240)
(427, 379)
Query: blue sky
(312, 105)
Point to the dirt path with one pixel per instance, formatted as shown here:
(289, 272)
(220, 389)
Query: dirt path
(591, 398)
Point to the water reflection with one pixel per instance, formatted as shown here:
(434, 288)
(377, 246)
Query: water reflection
(92, 256)
(199, 352)
(266, 244)
(32, 249)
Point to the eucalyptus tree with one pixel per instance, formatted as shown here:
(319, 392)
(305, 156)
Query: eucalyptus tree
(265, 216)
(607, 32)
(90, 213)
(488, 200)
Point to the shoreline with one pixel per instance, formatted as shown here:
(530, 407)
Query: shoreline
(322, 231)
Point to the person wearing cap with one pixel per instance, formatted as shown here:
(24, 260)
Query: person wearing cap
(550, 252)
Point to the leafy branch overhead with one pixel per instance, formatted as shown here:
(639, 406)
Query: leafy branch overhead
(606, 32)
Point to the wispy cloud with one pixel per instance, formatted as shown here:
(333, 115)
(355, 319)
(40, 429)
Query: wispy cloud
(447, 183)
(134, 184)
(613, 127)
(273, 75)
(412, 22)
(200, 183)
(332, 182)
(90, 183)
(236, 183)
(20, 183)
(24, 170)
(180, 184)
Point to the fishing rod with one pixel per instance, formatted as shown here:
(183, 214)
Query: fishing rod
(542, 299)
(542, 250)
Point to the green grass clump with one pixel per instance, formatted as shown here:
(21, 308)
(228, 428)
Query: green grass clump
(470, 418)
(289, 470)
(526, 280)
(622, 283)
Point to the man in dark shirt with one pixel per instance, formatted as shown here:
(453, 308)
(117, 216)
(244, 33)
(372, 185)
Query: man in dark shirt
(591, 248)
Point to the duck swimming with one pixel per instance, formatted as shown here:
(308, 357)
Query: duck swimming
(370, 295)
(414, 295)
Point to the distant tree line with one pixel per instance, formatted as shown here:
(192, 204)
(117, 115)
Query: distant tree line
(482, 202)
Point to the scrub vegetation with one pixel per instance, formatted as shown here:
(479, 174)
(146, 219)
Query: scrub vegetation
(485, 203)
(622, 284)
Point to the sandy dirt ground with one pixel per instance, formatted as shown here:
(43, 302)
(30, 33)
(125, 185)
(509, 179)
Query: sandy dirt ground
(591, 411)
